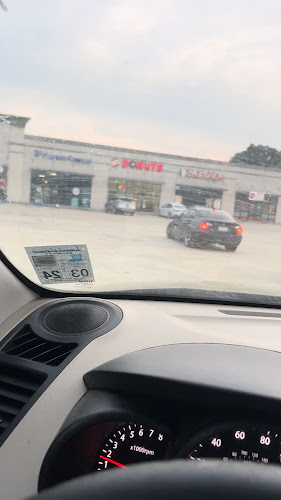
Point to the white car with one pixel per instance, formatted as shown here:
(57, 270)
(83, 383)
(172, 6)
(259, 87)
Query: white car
(171, 210)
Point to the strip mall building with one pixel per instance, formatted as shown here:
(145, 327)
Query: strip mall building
(46, 171)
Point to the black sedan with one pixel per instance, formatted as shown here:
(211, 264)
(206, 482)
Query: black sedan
(200, 226)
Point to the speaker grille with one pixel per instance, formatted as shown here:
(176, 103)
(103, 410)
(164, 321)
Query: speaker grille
(75, 318)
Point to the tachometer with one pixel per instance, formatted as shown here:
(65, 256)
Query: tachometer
(248, 443)
(131, 443)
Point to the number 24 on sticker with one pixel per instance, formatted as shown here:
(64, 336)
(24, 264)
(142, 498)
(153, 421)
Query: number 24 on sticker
(76, 273)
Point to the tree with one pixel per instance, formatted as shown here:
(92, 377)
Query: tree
(263, 156)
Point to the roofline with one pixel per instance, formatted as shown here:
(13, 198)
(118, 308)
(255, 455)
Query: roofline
(152, 153)
(125, 150)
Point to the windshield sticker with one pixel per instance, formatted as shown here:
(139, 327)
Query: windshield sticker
(61, 263)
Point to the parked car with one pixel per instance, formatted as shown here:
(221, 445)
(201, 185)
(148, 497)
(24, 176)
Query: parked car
(171, 210)
(120, 205)
(200, 226)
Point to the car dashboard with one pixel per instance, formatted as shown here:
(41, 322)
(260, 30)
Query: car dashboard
(147, 380)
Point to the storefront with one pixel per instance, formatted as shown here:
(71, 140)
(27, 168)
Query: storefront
(3, 183)
(50, 171)
(49, 187)
(207, 197)
(255, 206)
(146, 194)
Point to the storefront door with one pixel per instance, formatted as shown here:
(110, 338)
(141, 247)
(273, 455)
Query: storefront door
(146, 194)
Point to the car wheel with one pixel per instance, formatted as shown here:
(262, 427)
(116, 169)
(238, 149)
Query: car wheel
(132, 213)
(231, 248)
(188, 240)
(169, 234)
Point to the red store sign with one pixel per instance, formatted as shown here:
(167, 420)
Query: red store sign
(201, 174)
(137, 165)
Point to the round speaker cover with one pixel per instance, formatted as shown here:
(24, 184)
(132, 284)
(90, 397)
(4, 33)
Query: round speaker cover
(75, 318)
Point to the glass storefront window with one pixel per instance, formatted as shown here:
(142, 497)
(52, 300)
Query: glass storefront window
(246, 209)
(205, 197)
(145, 194)
(49, 187)
(3, 183)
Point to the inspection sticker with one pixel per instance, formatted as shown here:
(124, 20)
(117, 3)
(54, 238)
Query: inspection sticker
(61, 263)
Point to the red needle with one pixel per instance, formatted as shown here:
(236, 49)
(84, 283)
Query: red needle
(113, 462)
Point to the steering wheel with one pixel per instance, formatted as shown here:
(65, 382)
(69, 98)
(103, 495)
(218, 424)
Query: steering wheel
(175, 480)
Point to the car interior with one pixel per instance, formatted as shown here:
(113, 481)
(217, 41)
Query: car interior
(140, 212)
(150, 387)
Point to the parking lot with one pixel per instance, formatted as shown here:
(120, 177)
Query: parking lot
(133, 252)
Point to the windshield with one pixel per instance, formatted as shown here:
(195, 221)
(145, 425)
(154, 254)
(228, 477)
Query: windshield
(116, 117)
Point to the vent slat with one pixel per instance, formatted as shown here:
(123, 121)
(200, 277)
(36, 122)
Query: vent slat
(28, 345)
(17, 386)
(27, 384)
(16, 395)
(60, 356)
(3, 424)
(22, 348)
(48, 351)
(10, 406)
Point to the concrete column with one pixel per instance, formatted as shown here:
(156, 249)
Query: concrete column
(99, 190)
(228, 197)
(18, 184)
(168, 193)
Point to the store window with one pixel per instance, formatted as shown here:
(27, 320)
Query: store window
(204, 197)
(49, 187)
(263, 211)
(145, 194)
(3, 182)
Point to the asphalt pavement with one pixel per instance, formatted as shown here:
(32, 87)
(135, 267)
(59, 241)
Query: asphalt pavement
(134, 252)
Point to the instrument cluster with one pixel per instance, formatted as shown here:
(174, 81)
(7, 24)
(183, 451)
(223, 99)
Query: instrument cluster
(118, 444)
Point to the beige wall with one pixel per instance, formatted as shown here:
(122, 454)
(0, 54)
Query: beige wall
(17, 150)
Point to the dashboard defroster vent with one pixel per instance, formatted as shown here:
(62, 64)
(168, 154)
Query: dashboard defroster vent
(17, 386)
(27, 345)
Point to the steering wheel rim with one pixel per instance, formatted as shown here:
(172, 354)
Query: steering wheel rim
(174, 480)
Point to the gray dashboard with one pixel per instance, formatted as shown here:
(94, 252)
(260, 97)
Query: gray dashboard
(179, 346)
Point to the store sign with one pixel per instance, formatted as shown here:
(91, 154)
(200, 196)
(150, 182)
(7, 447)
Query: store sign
(137, 165)
(201, 174)
(42, 154)
(256, 196)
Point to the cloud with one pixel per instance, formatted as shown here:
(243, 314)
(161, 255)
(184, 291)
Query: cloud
(190, 77)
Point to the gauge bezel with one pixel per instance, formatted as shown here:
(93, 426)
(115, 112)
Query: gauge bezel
(90, 420)
(139, 425)
(206, 431)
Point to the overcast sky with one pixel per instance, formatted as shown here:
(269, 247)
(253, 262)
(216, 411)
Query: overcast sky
(193, 77)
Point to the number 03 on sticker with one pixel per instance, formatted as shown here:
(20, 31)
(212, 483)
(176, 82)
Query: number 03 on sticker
(61, 264)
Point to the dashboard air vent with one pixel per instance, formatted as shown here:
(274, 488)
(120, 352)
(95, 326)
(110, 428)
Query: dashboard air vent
(17, 386)
(27, 345)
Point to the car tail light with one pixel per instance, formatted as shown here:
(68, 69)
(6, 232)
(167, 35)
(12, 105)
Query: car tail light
(238, 229)
(204, 226)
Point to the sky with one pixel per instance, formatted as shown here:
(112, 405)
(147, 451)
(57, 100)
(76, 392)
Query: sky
(199, 78)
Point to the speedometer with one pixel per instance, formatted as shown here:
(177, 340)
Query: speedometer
(131, 443)
(248, 443)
